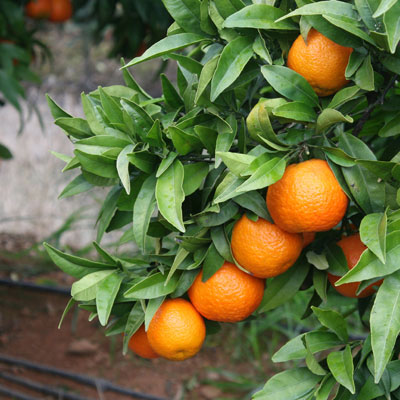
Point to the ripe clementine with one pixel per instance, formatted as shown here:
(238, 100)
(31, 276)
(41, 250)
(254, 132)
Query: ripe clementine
(177, 331)
(308, 237)
(263, 248)
(308, 198)
(230, 295)
(139, 344)
(320, 61)
(352, 247)
(38, 8)
(61, 10)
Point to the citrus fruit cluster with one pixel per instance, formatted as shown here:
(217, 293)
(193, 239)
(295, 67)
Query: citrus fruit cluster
(307, 199)
(53, 10)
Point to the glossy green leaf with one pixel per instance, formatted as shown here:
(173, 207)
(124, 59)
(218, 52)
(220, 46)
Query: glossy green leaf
(329, 117)
(152, 306)
(152, 287)
(212, 263)
(184, 141)
(333, 321)
(106, 293)
(143, 209)
(171, 96)
(289, 84)
(295, 110)
(186, 13)
(170, 194)
(221, 243)
(259, 16)
(133, 323)
(123, 167)
(365, 75)
(284, 287)
(76, 186)
(391, 20)
(225, 213)
(373, 234)
(340, 363)
(107, 212)
(385, 323)
(236, 162)
(292, 384)
(86, 288)
(254, 202)
(233, 59)
(194, 175)
(266, 175)
(167, 45)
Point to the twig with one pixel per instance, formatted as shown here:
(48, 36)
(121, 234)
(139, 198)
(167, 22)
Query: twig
(367, 113)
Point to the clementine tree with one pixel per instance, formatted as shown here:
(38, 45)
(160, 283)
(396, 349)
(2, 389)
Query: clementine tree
(241, 162)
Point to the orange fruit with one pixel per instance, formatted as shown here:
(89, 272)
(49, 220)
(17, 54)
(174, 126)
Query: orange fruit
(139, 344)
(320, 61)
(177, 331)
(352, 247)
(263, 248)
(307, 198)
(61, 10)
(38, 8)
(230, 295)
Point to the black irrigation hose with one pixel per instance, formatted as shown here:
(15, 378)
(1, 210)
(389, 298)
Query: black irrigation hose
(34, 286)
(13, 394)
(98, 383)
(52, 391)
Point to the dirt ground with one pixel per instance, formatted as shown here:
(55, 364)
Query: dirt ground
(30, 212)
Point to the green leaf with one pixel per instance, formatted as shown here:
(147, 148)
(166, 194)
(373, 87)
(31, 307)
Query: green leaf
(260, 48)
(142, 211)
(92, 117)
(75, 266)
(320, 283)
(171, 96)
(209, 219)
(236, 162)
(333, 321)
(221, 243)
(152, 306)
(316, 341)
(212, 263)
(152, 287)
(384, 6)
(68, 307)
(76, 186)
(325, 388)
(373, 234)
(233, 59)
(318, 260)
(289, 84)
(329, 117)
(369, 266)
(186, 13)
(110, 107)
(338, 8)
(86, 288)
(107, 212)
(391, 20)
(363, 185)
(292, 384)
(194, 174)
(167, 45)
(183, 141)
(206, 75)
(343, 96)
(133, 323)
(283, 287)
(123, 167)
(385, 323)
(254, 202)
(170, 194)
(295, 110)
(365, 75)
(165, 163)
(311, 361)
(391, 127)
(340, 363)
(75, 127)
(259, 16)
(97, 165)
(266, 175)
(336, 260)
(106, 293)
(55, 109)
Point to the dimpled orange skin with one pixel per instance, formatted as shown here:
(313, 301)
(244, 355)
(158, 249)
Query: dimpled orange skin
(139, 344)
(308, 198)
(230, 295)
(352, 247)
(321, 62)
(177, 331)
(263, 248)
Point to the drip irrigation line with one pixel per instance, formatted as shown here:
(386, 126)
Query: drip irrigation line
(13, 394)
(34, 286)
(39, 387)
(98, 383)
